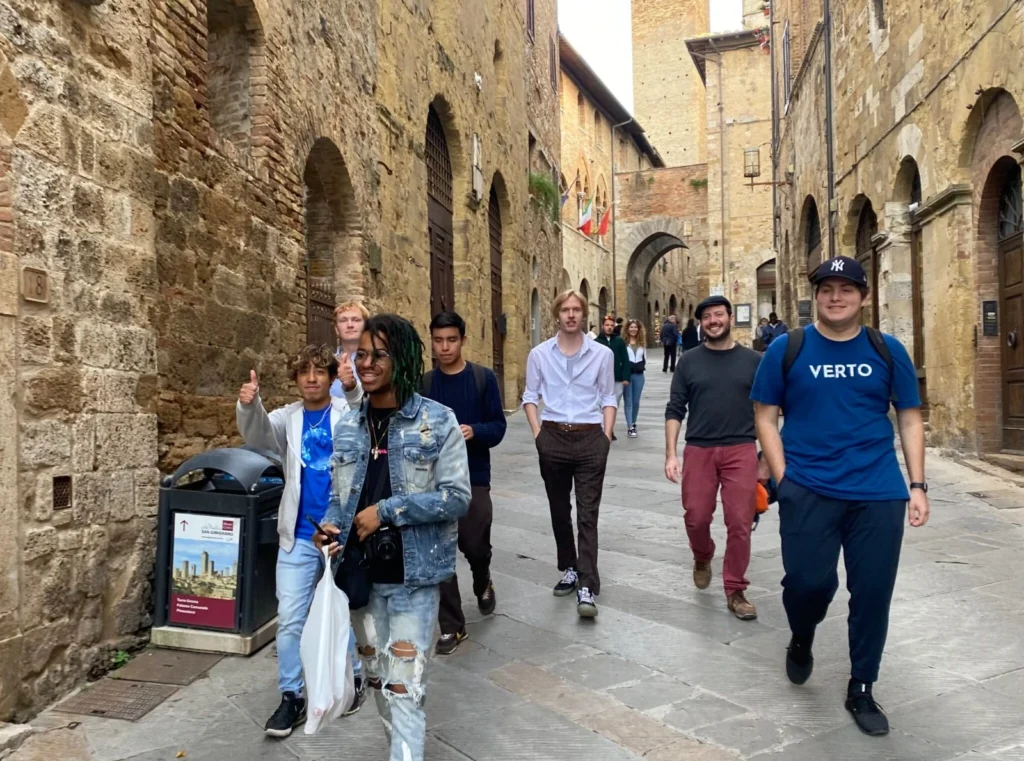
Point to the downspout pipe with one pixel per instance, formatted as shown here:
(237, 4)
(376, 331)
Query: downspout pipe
(829, 131)
(721, 166)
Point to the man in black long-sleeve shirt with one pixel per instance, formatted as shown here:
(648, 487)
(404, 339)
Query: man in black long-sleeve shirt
(471, 392)
(714, 380)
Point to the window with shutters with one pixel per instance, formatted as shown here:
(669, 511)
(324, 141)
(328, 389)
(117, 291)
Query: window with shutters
(531, 20)
(553, 56)
(787, 74)
(879, 14)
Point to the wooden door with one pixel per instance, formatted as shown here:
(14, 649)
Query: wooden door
(439, 217)
(320, 311)
(497, 322)
(917, 299)
(1011, 297)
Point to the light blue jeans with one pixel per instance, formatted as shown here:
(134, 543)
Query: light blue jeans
(396, 633)
(632, 395)
(298, 572)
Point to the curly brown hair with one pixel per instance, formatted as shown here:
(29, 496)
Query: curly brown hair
(321, 356)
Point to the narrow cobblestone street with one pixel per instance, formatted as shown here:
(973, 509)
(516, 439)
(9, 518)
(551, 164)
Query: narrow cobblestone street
(665, 672)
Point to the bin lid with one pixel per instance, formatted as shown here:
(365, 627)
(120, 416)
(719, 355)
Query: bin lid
(246, 465)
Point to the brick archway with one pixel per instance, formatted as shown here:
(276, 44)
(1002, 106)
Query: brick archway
(647, 243)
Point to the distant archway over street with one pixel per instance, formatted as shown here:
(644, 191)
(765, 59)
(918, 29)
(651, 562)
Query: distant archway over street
(645, 254)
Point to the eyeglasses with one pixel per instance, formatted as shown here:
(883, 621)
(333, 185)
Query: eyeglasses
(376, 357)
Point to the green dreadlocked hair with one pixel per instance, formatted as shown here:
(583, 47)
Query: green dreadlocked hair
(406, 350)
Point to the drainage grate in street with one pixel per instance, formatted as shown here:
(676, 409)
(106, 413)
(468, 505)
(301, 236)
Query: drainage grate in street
(167, 666)
(117, 699)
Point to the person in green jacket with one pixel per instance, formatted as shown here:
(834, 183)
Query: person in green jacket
(618, 347)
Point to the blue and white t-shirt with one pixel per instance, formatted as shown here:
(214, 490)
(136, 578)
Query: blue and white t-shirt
(837, 435)
(316, 451)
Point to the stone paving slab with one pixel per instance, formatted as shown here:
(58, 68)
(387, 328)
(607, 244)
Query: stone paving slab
(665, 673)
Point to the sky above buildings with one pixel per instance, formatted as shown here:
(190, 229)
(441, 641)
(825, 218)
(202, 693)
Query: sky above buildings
(600, 32)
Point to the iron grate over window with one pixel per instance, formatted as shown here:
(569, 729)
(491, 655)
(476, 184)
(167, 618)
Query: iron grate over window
(439, 165)
(61, 492)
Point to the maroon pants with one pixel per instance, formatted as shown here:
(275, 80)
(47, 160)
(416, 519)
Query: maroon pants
(735, 470)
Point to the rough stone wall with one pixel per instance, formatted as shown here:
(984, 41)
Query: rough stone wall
(232, 218)
(908, 89)
(668, 95)
(740, 218)
(430, 56)
(78, 373)
(543, 240)
(801, 163)
(586, 148)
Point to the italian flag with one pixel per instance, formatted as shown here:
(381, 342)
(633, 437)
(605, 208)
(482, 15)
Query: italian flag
(587, 218)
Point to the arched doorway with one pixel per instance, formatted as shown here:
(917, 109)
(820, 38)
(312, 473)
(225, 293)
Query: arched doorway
(585, 291)
(566, 282)
(1009, 223)
(867, 229)
(602, 302)
(646, 254)
(333, 264)
(497, 313)
(673, 303)
(440, 206)
(810, 229)
(908, 191)
(766, 293)
(534, 318)
(651, 327)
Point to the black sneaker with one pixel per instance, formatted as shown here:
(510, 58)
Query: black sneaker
(631, 432)
(614, 437)
(288, 715)
(488, 600)
(357, 700)
(585, 604)
(449, 643)
(799, 660)
(870, 717)
(568, 583)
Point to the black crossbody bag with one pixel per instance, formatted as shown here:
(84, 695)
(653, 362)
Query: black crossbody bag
(353, 575)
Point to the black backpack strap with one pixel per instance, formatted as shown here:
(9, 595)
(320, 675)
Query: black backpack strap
(426, 382)
(878, 342)
(793, 347)
(480, 378)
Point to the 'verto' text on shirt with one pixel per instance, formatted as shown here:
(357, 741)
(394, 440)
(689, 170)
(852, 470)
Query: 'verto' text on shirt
(841, 371)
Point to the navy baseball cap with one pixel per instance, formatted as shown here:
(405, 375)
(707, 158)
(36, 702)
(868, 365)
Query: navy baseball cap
(712, 301)
(842, 267)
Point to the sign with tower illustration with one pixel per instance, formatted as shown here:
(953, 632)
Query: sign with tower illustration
(204, 582)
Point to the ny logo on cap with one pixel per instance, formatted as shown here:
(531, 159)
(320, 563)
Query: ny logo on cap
(837, 265)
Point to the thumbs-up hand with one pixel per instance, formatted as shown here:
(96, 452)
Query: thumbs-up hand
(250, 390)
(345, 373)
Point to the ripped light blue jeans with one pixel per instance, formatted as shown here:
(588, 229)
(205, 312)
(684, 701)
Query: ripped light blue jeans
(395, 632)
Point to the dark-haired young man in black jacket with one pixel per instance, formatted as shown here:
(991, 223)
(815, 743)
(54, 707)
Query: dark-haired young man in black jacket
(471, 392)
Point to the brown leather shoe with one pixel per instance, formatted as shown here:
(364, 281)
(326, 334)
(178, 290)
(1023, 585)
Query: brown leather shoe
(701, 574)
(741, 607)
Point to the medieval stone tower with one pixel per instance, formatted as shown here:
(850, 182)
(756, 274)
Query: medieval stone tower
(668, 95)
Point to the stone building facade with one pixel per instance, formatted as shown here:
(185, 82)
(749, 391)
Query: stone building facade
(186, 190)
(735, 69)
(927, 147)
(599, 140)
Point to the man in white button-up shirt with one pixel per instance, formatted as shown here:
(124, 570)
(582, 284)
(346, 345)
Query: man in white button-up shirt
(575, 376)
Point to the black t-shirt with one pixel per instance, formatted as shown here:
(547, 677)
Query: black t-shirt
(376, 487)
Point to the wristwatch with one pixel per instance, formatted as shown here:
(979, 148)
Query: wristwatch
(920, 485)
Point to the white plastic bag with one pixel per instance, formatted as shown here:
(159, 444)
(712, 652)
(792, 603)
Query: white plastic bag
(324, 650)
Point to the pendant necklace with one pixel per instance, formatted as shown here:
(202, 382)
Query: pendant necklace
(378, 437)
(322, 417)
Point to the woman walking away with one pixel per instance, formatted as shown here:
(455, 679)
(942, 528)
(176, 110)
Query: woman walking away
(636, 347)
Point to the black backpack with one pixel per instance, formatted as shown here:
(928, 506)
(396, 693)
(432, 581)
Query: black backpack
(875, 338)
(478, 375)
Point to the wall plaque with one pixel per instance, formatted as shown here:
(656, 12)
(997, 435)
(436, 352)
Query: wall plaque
(990, 318)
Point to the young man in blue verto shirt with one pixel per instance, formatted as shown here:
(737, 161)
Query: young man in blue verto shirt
(477, 406)
(839, 482)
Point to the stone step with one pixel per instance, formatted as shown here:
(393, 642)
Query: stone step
(1007, 459)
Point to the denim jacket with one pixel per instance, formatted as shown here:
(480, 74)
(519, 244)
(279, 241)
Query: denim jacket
(429, 484)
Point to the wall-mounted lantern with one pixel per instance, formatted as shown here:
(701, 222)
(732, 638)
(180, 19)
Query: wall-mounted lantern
(751, 162)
